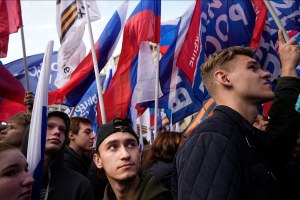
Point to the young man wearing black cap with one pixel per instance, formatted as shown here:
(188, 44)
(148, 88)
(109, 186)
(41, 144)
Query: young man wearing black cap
(117, 154)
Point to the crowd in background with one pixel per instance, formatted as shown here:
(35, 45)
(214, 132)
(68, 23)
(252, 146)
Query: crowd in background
(233, 154)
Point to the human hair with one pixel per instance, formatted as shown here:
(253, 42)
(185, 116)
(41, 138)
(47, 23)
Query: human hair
(6, 147)
(221, 61)
(163, 148)
(21, 118)
(75, 123)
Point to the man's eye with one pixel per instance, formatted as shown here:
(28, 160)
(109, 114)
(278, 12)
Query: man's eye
(62, 129)
(132, 145)
(11, 173)
(112, 147)
(49, 126)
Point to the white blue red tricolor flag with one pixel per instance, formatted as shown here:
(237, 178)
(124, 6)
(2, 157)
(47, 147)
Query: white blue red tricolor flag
(38, 126)
(142, 25)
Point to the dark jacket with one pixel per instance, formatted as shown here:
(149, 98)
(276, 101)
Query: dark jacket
(162, 171)
(60, 182)
(76, 163)
(64, 183)
(285, 128)
(226, 158)
(148, 189)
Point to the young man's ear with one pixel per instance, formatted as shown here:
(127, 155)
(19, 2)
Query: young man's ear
(71, 136)
(97, 160)
(222, 77)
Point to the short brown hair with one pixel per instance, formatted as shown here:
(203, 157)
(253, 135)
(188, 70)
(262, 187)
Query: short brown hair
(75, 122)
(163, 148)
(21, 118)
(75, 125)
(220, 60)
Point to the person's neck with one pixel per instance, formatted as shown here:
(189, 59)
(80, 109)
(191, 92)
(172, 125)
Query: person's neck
(76, 149)
(247, 110)
(125, 189)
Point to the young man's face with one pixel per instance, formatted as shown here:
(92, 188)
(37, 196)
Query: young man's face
(56, 128)
(249, 82)
(13, 134)
(119, 156)
(84, 139)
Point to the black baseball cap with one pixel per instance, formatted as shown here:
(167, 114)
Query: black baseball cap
(63, 116)
(114, 126)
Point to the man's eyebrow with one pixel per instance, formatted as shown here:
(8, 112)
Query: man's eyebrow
(131, 140)
(111, 142)
(251, 62)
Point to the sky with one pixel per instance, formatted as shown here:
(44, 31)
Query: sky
(40, 25)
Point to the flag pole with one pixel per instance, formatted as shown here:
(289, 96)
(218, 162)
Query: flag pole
(156, 89)
(25, 60)
(276, 19)
(97, 74)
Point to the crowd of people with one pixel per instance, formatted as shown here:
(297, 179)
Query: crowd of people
(233, 154)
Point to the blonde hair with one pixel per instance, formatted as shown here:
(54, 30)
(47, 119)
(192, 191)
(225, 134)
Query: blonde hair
(221, 60)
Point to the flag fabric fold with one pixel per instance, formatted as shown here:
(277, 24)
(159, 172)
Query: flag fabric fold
(190, 50)
(83, 76)
(38, 126)
(10, 88)
(10, 22)
(70, 17)
(34, 63)
(142, 25)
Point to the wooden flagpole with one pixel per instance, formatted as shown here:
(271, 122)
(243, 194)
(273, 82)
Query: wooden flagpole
(99, 88)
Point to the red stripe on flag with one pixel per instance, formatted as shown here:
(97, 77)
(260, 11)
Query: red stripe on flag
(261, 16)
(190, 50)
(10, 22)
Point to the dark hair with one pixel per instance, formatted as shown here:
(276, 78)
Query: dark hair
(163, 148)
(114, 126)
(75, 123)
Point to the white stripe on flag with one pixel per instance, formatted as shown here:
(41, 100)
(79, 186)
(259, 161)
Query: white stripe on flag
(38, 126)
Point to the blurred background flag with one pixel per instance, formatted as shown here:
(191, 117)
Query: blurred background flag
(10, 22)
(70, 18)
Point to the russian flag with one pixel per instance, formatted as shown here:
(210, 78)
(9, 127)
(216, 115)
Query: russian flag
(142, 25)
(83, 76)
(38, 126)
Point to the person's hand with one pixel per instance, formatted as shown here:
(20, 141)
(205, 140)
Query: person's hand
(28, 101)
(289, 53)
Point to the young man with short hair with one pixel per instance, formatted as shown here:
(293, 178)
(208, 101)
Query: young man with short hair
(225, 157)
(80, 144)
(117, 155)
(14, 132)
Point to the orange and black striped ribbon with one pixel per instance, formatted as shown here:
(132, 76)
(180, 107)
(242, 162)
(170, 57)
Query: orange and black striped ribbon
(68, 18)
